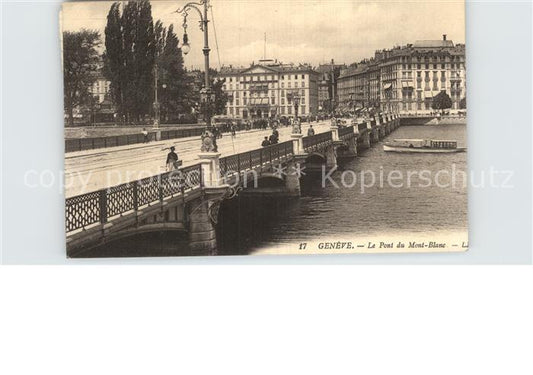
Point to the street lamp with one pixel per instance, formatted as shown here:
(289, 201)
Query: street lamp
(207, 95)
(156, 101)
(293, 96)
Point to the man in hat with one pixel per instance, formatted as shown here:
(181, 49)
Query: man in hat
(265, 142)
(172, 160)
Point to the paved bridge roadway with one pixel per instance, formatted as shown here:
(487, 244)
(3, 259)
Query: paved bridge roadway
(93, 170)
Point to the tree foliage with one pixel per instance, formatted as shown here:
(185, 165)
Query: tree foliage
(172, 82)
(130, 58)
(196, 83)
(136, 50)
(221, 98)
(441, 101)
(80, 63)
(114, 62)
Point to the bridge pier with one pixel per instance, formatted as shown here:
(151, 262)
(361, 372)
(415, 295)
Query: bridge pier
(375, 135)
(352, 145)
(292, 179)
(202, 235)
(203, 212)
(366, 139)
(331, 157)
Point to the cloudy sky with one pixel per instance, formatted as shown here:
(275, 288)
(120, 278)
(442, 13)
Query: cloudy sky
(313, 31)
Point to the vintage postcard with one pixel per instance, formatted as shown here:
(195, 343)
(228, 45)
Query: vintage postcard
(248, 127)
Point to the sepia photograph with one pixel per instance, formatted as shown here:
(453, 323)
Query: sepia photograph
(248, 127)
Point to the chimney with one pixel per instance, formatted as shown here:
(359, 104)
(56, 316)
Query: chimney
(443, 36)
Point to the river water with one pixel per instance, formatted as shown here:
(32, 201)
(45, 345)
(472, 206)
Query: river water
(392, 209)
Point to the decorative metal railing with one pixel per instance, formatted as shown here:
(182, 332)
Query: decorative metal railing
(255, 158)
(345, 131)
(99, 206)
(317, 141)
(80, 144)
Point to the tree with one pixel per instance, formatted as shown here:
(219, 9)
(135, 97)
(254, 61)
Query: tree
(441, 101)
(174, 93)
(462, 103)
(221, 98)
(139, 47)
(80, 63)
(130, 57)
(196, 83)
(114, 57)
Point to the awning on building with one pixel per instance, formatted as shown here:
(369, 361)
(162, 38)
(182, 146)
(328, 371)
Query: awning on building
(407, 85)
(387, 86)
(259, 101)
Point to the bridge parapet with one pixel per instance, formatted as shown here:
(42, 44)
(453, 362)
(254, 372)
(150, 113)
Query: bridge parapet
(346, 132)
(98, 207)
(256, 159)
(317, 141)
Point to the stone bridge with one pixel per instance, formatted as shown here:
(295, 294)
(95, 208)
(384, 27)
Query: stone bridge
(188, 200)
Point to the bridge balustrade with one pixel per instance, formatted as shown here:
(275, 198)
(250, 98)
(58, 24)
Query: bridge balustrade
(255, 158)
(98, 206)
(80, 144)
(315, 142)
(346, 132)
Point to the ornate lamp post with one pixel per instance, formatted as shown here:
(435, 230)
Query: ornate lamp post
(157, 107)
(207, 95)
(295, 99)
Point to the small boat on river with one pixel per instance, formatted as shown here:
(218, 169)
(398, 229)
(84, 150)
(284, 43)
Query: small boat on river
(423, 145)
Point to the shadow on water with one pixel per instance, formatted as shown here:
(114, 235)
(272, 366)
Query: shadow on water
(246, 222)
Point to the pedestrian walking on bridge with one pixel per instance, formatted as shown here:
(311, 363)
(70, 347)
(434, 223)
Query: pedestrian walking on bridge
(172, 160)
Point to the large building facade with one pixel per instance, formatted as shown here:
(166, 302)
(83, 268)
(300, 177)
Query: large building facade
(267, 89)
(406, 78)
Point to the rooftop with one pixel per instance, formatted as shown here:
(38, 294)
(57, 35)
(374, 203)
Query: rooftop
(272, 65)
(433, 44)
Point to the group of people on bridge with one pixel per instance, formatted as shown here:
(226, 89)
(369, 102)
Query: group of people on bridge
(272, 140)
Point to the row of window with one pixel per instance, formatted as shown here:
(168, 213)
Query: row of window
(244, 113)
(269, 85)
(422, 106)
(263, 78)
(433, 66)
(272, 101)
(261, 94)
(431, 59)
